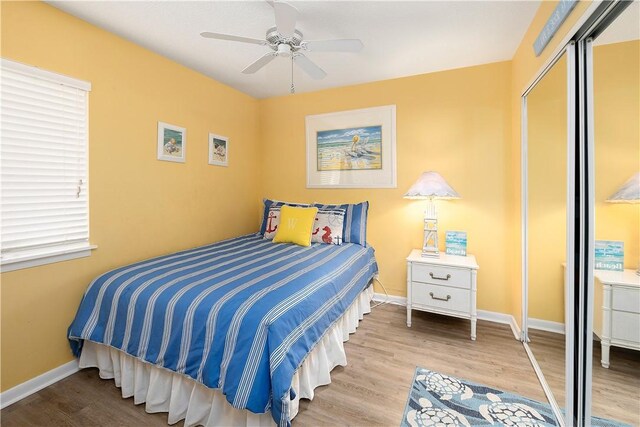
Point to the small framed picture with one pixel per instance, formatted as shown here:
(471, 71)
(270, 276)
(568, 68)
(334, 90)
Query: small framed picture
(172, 143)
(456, 243)
(609, 255)
(218, 150)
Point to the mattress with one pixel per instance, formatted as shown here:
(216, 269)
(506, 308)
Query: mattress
(239, 315)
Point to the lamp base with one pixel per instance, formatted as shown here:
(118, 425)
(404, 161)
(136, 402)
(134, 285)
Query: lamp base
(430, 239)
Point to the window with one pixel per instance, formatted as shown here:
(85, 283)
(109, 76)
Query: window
(44, 201)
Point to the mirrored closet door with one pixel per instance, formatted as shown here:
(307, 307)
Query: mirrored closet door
(581, 221)
(615, 54)
(546, 219)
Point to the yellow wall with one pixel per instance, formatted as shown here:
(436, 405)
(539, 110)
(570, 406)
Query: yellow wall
(455, 122)
(547, 193)
(140, 207)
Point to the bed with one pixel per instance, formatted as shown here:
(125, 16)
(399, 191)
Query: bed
(225, 334)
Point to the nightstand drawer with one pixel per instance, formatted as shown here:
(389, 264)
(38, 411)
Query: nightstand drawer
(439, 275)
(625, 327)
(442, 297)
(626, 300)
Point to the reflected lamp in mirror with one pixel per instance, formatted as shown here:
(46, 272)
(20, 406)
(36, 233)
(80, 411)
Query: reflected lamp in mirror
(628, 193)
(431, 186)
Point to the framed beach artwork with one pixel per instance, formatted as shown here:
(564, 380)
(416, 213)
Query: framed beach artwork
(352, 149)
(172, 143)
(218, 150)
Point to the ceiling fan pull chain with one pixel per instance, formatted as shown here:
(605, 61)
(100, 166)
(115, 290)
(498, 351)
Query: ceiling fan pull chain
(293, 88)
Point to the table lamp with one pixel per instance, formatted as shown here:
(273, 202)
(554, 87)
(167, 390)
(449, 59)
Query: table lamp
(430, 186)
(628, 193)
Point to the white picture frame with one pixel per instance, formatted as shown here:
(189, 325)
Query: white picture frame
(218, 150)
(172, 143)
(352, 149)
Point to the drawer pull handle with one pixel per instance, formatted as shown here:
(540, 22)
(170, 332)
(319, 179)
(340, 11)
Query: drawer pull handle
(440, 278)
(439, 298)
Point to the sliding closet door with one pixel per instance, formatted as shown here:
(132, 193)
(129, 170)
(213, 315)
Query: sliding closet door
(549, 222)
(546, 223)
(607, 315)
(601, 306)
(614, 82)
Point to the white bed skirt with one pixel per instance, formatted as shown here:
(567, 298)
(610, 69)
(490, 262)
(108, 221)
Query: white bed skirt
(162, 390)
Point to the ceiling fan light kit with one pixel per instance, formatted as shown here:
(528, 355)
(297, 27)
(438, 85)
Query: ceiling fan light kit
(286, 41)
(284, 50)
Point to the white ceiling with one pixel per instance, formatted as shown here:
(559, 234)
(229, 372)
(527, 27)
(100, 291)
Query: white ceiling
(626, 27)
(401, 38)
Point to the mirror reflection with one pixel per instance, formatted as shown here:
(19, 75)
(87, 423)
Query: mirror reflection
(616, 352)
(546, 223)
(616, 310)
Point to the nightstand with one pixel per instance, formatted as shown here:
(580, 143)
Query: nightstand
(443, 285)
(619, 318)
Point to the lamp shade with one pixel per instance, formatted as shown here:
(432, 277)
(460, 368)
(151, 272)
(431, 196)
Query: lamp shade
(629, 192)
(431, 185)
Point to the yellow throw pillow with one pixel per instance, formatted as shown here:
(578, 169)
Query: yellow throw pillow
(296, 225)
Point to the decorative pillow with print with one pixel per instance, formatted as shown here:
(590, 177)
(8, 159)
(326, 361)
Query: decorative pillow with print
(268, 204)
(328, 226)
(272, 222)
(355, 221)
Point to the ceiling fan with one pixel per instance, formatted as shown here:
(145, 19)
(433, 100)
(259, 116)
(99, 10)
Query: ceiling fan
(285, 40)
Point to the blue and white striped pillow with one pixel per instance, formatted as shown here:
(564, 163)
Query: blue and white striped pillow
(355, 221)
(268, 203)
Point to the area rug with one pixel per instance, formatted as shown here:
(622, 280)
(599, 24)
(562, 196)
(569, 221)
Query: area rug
(440, 400)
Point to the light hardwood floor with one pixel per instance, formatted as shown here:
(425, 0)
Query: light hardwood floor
(616, 391)
(371, 390)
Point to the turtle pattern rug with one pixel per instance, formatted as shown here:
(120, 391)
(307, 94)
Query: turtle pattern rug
(440, 400)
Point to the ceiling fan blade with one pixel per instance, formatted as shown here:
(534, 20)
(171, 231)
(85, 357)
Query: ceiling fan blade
(343, 45)
(309, 67)
(286, 17)
(230, 37)
(261, 62)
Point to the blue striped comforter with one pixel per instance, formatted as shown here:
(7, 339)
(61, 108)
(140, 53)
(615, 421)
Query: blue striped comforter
(239, 315)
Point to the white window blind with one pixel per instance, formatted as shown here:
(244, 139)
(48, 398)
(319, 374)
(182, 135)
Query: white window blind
(43, 163)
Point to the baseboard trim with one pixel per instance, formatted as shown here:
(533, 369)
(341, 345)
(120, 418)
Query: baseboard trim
(390, 299)
(36, 384)
(490, 316)
(504, 318)
(546, 325)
